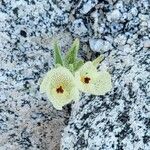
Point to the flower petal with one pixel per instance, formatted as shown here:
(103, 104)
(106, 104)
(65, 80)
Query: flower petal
(88, 67)
(103, 83)
(75, 94)
(44, 85)
(89, 80)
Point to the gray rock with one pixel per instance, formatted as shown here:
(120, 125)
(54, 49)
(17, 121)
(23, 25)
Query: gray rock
(120, 39)
(78, 28)
(144, 17)
(119, 119)
(116, 120)
(27, 118)
(86, 5)
(117, 29)
(134, 11)
(114, 15)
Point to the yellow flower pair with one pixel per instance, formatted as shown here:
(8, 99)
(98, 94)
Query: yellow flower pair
(63, 83)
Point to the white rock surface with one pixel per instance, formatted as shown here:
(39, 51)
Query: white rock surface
(118, 120)
(147, 44)
(117, 29)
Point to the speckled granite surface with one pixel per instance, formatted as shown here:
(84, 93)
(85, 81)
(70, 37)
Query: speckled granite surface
(118, 29)
(120, 120)
(27, 119)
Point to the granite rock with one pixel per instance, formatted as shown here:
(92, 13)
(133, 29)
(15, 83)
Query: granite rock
(120, 119)
(27, 118)
(118, 29)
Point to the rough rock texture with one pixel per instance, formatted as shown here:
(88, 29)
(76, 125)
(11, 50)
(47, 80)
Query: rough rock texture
(119, 120)
(118, 29)
(27, 119)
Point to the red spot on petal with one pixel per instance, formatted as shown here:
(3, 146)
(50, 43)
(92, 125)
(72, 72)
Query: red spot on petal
(59, 90)
(87, 80)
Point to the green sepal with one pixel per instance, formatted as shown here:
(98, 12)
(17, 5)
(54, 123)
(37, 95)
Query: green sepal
(71, 68)
(57, 65)
(72, 53)
(57, 54)
(98, 60)
(77, 64)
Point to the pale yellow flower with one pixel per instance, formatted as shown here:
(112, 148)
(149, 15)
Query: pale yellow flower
(91, 81)
(60, 87)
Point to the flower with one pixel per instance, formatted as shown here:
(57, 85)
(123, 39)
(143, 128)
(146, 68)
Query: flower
(91, 81)
(60, 87)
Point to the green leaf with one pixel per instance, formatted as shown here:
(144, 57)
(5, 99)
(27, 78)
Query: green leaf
(98, 60)
(77, 64)
(72, 53)
(57, 54)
